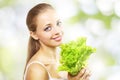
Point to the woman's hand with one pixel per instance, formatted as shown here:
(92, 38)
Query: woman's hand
(84, 74)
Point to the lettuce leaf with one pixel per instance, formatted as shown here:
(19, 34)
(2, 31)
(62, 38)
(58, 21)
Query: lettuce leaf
(74, 56)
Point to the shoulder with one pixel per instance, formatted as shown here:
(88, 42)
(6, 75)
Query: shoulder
(37, 72)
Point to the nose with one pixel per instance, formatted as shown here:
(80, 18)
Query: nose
(57, 30)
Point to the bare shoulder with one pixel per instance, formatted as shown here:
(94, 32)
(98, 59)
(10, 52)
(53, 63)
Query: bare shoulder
(36, 72)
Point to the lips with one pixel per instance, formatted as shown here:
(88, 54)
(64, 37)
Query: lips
(58, 38)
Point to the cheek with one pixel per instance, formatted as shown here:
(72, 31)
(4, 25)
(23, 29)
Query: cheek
(43, 39)
(62, 32)
(44, 36)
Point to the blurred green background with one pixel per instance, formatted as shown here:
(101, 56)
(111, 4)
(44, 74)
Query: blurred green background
(98, 20)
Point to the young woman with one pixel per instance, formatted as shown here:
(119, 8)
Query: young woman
(45, 36)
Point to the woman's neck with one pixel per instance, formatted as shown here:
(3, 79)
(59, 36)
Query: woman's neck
(48, 53)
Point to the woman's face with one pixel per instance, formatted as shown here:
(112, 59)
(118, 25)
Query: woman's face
(49, 30)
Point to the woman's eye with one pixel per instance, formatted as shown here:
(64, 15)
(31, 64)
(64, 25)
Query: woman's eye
(59, 23)
(47, 28)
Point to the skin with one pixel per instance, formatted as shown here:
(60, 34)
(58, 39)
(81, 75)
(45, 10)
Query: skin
(49, 33)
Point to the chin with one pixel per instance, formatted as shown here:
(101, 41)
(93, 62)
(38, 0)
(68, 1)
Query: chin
(58, 44)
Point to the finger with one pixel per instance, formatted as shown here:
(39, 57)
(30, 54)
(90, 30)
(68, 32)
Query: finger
(86, 78)
(86, 75)
(81, 73)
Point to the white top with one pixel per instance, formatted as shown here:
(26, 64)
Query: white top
(50, 78)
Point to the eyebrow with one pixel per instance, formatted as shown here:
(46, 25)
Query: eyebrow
(47, 24)
(50, 23)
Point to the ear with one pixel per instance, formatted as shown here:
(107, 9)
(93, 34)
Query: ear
(33, 35)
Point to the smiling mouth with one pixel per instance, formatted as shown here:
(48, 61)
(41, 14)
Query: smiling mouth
(59, 38)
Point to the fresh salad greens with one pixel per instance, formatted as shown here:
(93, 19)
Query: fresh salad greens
(74, 55)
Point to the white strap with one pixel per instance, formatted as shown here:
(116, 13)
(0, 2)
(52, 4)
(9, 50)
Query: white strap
(43, 66)
(33, 63)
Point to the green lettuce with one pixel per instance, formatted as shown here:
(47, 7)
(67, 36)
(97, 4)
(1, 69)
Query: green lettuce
(74, 56)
